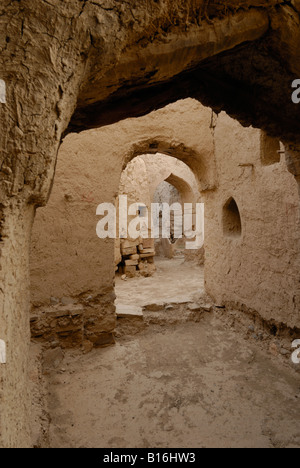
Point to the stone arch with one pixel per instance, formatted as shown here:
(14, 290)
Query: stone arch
(101, 155)
(180, 174)
(200, 165)
(184, 188)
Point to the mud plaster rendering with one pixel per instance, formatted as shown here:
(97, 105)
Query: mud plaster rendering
(227, 164)
(73, 66)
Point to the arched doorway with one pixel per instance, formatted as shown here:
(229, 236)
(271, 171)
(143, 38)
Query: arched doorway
(88, 174)
(166, 266)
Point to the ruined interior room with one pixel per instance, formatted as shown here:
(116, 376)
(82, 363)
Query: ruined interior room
(110, 336)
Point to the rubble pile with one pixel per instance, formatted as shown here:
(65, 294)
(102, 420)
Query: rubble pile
(137, 257)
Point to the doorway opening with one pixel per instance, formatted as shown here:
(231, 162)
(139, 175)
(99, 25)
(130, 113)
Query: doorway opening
(167, 269)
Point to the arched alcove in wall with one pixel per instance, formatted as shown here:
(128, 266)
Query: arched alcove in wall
(200, 163)
(179, 189)
(232, 222)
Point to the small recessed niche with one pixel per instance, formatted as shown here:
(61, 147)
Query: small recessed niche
(269, 150)
(232, 223)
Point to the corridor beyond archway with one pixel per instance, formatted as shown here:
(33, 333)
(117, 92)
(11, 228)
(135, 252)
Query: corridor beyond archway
(175, 281)
(161, 272)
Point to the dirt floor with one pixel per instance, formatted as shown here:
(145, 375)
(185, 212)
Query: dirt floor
(174, 281)
(219, 381)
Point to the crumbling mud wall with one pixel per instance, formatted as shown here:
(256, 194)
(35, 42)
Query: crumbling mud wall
(252, 243)
(16, 221)
(175, 172)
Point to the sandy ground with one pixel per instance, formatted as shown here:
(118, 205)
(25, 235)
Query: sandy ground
(174, 281)
(189, 385)
(192, 385)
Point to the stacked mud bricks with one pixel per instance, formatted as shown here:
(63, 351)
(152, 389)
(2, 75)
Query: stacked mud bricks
(137, 257)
